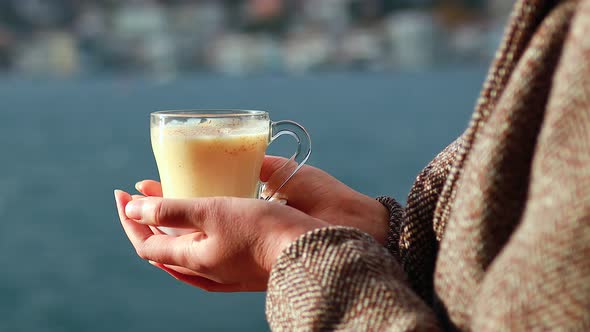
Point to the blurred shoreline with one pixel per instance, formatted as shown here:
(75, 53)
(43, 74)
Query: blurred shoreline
(158, 79)
(168, 38)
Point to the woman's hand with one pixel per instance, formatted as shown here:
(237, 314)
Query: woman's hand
(235, 244)
(319, 195)
(322, 196)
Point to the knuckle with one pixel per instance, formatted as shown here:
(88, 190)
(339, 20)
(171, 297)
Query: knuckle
(197, 213)
(141, 252)
(146, 249)
(161, 211)
(216, 208)
(185, 258)
(210, 210)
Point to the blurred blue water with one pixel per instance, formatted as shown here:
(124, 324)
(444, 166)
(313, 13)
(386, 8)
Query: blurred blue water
(66, 264)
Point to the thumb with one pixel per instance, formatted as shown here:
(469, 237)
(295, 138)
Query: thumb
(275, 171)
(177, 213)
(270, 165)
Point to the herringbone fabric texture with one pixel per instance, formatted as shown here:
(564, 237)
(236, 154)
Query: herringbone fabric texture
(496, 232)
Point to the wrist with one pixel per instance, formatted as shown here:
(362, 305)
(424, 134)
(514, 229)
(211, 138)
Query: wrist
(379, 216)
(285, 236)
(396, 215)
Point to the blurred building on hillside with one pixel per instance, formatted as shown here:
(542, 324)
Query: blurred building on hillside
(236, 37)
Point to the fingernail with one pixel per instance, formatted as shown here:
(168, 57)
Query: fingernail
(137, 186)
(134, 208)
(117, 192)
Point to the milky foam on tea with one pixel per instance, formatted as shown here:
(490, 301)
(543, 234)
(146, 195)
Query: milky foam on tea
(216, 128)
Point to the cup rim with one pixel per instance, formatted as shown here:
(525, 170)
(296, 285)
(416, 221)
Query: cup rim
(209, 113)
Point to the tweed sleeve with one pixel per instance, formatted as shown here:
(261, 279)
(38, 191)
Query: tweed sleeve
(338, 278)
(421, 203)
(540, 281)
(396, 216)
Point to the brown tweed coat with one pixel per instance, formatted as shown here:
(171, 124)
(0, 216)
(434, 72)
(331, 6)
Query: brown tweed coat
(496, 232)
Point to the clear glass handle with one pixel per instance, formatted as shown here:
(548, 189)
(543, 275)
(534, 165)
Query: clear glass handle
(281, 176)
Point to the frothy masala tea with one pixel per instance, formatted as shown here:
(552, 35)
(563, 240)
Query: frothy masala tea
(204, 160)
